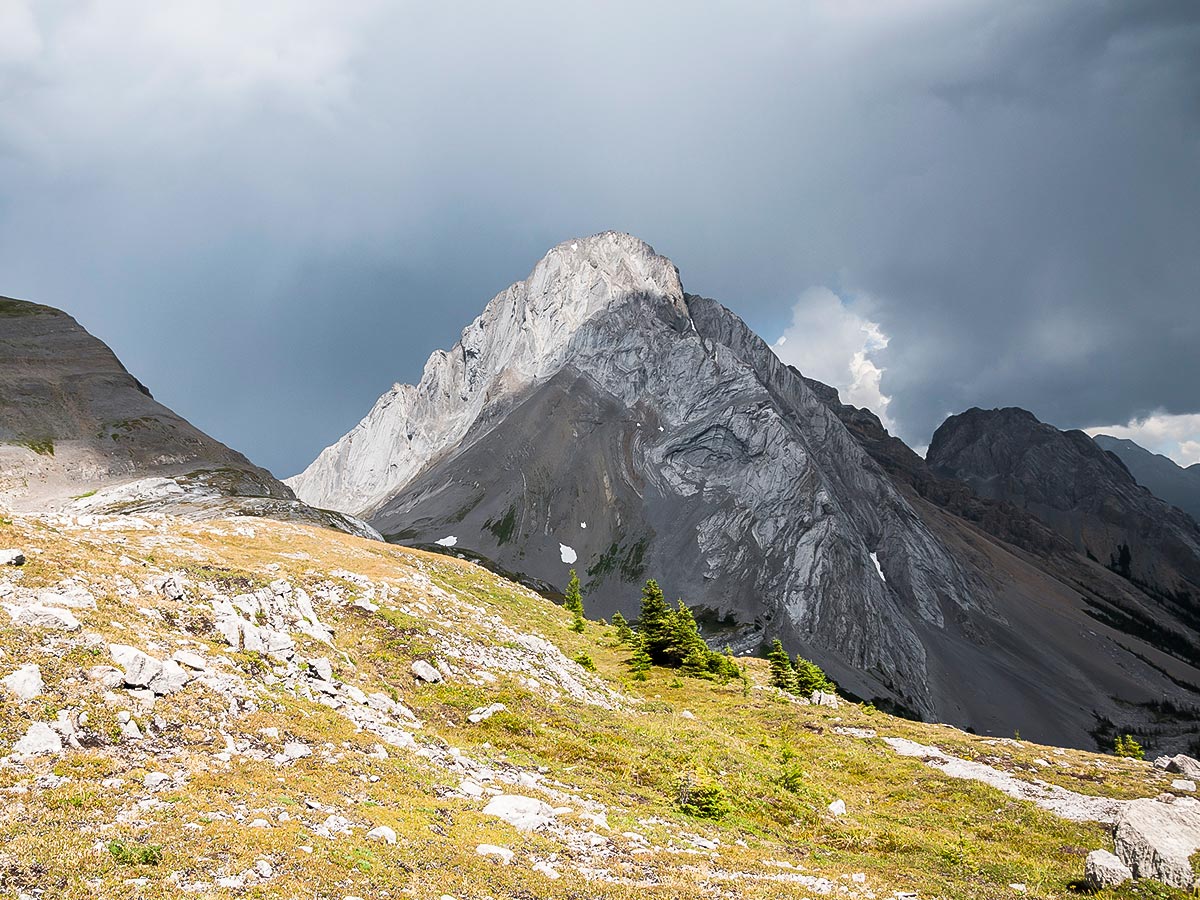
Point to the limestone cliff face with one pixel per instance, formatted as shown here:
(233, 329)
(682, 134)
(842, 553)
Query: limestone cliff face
(520, 339)
(597, 417)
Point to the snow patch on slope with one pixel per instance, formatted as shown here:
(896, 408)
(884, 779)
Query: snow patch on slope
(878, 567)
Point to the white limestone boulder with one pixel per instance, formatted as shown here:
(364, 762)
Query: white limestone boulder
(1156, 839)
(1103, 870)
(25, 683)
(523, 813)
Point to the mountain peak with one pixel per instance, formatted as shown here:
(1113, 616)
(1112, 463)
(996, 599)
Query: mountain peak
(520, 338)
(581, 277)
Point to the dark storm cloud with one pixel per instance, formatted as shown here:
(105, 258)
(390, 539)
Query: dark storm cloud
(272, 213)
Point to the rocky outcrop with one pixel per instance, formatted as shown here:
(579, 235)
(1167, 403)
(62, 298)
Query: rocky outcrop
(1163, 477)
(596, 416)
(78, 432)
(1156, 840)
(25, 683)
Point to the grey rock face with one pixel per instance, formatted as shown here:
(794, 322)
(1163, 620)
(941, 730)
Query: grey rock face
(1156, 839)
(667, 432)
(1103, 870)
(596, 416)
(520, 339)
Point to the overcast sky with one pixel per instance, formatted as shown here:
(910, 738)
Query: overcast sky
(274, 210)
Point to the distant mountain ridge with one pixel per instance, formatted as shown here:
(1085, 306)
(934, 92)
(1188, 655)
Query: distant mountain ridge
(79, 433)
(1164, 477)
(1068, 481)
(597, 416)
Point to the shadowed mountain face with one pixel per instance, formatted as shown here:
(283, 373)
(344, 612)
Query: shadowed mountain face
(1163, 477)
(78, 432)
(1084, 493)
(596, 416)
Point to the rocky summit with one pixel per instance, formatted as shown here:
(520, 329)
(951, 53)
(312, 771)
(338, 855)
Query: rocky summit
(1093, 501)
(597, 417)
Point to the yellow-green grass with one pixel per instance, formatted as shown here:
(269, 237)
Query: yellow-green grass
(779, 764)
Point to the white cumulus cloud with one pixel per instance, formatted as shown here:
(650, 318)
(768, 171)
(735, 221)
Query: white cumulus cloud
(830, 341)
(1176, 436)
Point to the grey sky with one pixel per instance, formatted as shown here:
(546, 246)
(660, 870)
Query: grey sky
(273, 211)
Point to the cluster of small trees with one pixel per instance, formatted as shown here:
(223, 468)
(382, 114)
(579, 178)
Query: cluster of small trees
(670, 638)
(801, 676)
(1121, 562)
(1125, 745)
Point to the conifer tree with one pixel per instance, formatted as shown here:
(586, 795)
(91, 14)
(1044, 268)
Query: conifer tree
(1125, 745)
(810, 677)
(640, 662)
(654, 621)
(683, 639)
(573, 599)
(783, 676)
(624, 632)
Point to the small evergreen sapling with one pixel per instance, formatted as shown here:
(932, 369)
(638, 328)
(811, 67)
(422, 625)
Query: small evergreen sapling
(640, 662)
(573, 601)
(624, 632)
(573, 598)
(782, 676)
(1125, 745)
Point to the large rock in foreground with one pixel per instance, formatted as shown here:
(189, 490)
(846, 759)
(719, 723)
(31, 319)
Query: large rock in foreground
(1157, 839)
